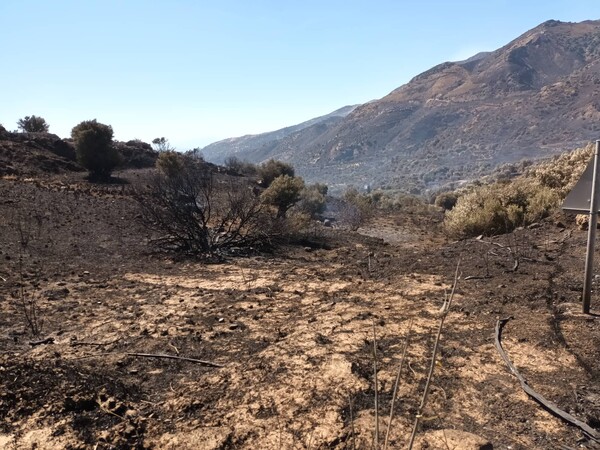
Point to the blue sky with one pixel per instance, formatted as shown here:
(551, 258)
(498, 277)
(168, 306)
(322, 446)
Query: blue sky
(199, 71)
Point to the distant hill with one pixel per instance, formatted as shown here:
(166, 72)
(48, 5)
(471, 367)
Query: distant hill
(534, 97)
(242, 146)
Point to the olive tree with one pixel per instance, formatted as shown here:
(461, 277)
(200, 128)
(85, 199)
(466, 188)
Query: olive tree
(283, 193)
(94, 148)
(162, 144)
(272, 169)
(33, 124)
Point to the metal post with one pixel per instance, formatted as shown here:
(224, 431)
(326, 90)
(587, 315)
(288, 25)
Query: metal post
(593, 223)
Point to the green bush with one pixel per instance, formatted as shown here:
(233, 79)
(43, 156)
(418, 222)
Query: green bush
(162, 144)
(272, 169)
(446, 200)
(33, 124)
(283, 193)
(313, 200)
(170, 163)
(500, 208)
(242, 167)
(94, 148)
(562, 172)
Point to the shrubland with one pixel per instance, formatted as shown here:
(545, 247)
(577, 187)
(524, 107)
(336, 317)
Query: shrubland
(501, 206)
(198, 210)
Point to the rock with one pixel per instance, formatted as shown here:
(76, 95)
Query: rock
(56, 294)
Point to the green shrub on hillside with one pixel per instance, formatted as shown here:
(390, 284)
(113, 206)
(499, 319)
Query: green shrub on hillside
(283, 193)
(162, 144)
(313, 200)
(446, 200)
(562, 172)
(500, 208)
(33, 124)
(95, 149)
(170, 163)
(272, 169)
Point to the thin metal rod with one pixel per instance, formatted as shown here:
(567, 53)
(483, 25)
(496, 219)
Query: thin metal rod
(593, 222)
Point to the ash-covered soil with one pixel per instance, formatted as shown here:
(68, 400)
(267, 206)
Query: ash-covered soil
(292, 330)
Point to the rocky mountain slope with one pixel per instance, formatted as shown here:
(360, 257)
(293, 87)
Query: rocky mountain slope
(240, 146)
(536, 96)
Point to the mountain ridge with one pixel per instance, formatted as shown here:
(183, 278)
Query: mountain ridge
(218, 151)
(533, 97)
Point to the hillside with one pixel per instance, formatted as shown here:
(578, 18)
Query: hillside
(30, 154)
(241, 146)
(536, 96)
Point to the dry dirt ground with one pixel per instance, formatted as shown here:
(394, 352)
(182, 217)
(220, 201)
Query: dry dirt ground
(292, 332)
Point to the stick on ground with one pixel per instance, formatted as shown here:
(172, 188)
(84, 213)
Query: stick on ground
(445, 309)
(397, 383)
(376, 394)
(193, 360)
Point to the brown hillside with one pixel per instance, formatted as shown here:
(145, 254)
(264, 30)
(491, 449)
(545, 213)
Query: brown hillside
(45, 153)
(536, 96)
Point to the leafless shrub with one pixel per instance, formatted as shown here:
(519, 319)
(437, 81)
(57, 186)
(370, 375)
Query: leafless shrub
(196, 214)
(28, 227)
(355, 209)
(241, 167)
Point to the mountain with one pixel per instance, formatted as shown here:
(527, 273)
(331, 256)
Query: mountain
(240, 146)
(534, 97)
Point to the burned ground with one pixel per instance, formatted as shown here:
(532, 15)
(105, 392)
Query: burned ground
(293, 331)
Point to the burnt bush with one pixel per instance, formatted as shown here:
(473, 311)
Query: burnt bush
(241, 167)
(197, 212)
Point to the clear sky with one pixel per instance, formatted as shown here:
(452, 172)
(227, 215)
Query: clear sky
(197, 71)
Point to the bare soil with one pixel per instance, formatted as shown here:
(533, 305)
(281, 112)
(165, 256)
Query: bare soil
(293, 331)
